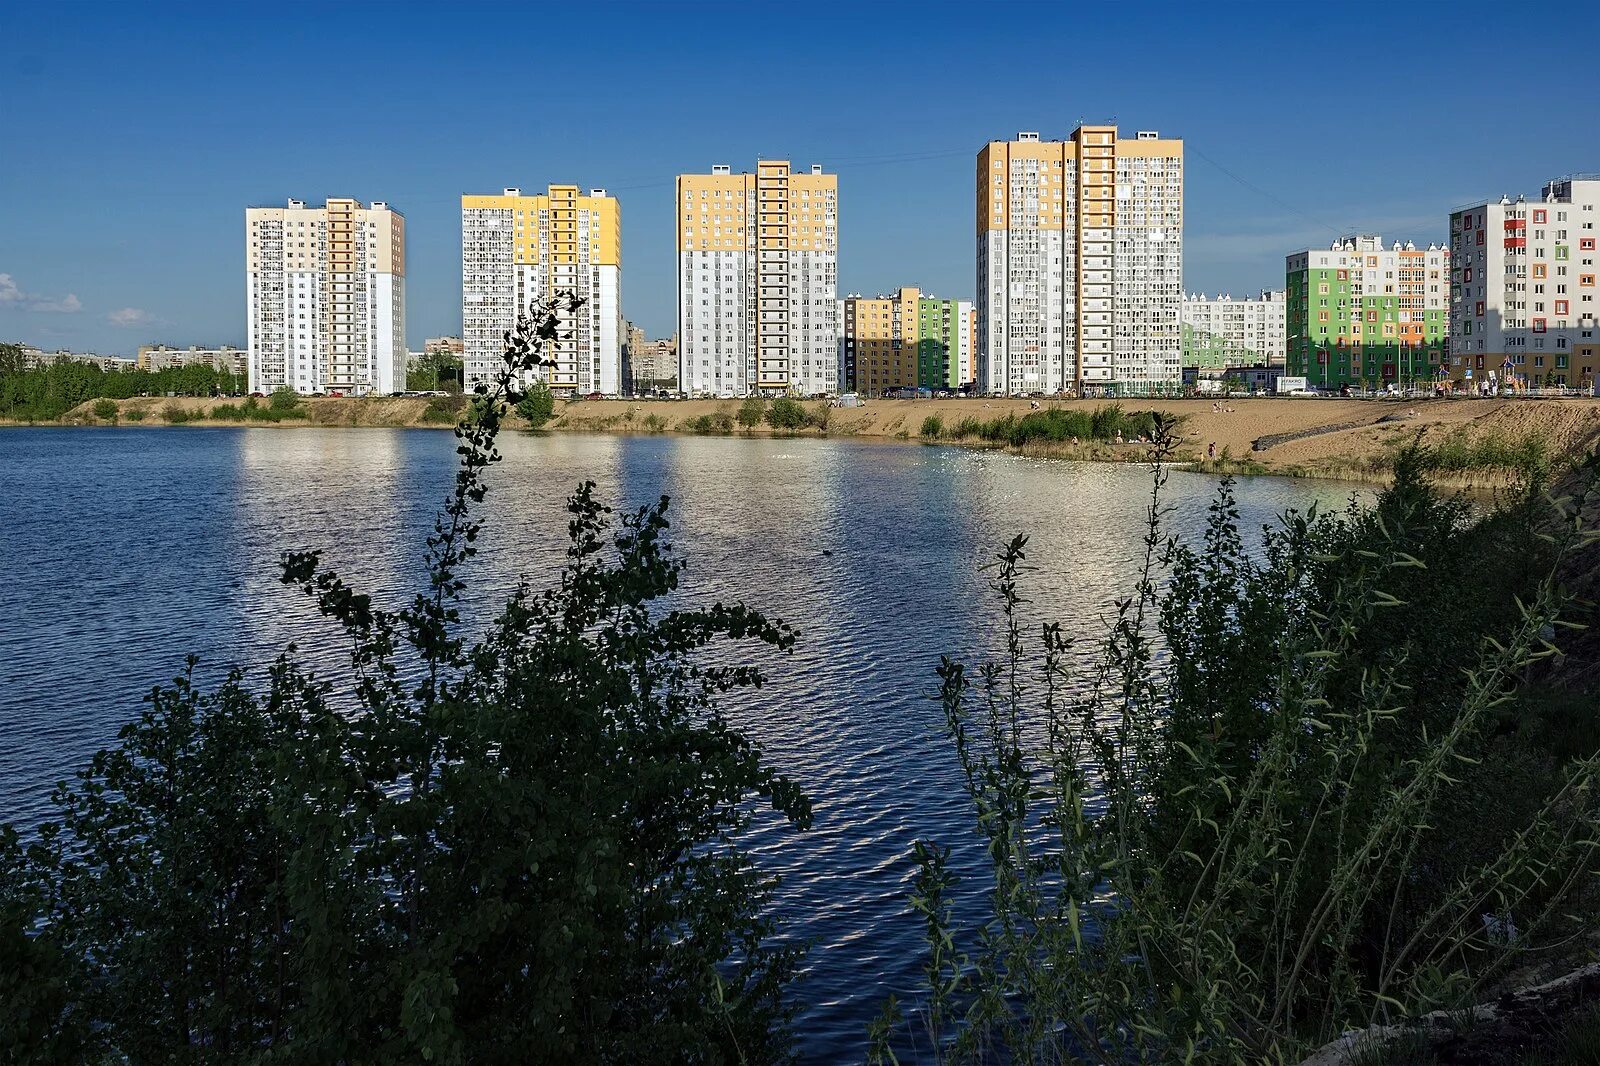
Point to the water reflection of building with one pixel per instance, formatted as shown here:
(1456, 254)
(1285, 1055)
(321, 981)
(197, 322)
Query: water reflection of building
(365, 500)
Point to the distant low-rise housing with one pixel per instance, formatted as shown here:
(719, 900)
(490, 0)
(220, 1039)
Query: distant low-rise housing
(906, 340)
(651, 363)
(444, 345)
(1359, 313)
(1523, 299)
(34, 357)
(1226, 330)
(226, 359)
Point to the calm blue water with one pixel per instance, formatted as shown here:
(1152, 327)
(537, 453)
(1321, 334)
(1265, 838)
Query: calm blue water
(126, 549)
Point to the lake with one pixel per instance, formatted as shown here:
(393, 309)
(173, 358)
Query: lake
(126, 549)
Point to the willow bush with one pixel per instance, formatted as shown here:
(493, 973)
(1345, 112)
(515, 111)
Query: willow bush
(519, 849)
(1285, 798)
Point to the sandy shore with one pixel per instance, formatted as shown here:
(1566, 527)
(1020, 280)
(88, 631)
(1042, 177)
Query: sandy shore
(1345, 438)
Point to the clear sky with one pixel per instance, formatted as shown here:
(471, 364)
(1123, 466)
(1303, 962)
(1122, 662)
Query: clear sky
(133, 135)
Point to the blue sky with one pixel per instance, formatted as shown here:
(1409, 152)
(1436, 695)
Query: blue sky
(132, 136)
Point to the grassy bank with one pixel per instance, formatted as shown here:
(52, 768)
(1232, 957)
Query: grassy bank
(1479, 443)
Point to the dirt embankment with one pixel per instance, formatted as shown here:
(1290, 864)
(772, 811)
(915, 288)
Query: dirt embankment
(1304, 437)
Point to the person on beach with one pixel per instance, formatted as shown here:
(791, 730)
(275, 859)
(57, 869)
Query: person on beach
(1211, 451)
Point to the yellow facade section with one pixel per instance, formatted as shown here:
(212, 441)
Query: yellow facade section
(385, 235)
(560, 206)
(730, 212)
(1077, 176)
(712, 211)
(883, 334)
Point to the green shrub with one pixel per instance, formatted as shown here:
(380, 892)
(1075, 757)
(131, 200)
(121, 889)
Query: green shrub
(283, 398)
(227, 412)
(1288, 797)
(786, 414)
(105, 410)
(752, 411)
(654, 423)
(134, 415)
(444, 410)
(932, 426)
(820, 417)
(1055, 425)
(176, 415)
(719, 422)
(1458, 452)
(538, 405)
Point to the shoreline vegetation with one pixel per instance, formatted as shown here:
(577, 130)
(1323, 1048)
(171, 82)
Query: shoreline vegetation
(1341, 785)
(1476, 443)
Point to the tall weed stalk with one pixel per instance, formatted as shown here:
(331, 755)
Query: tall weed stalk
(1264, 815)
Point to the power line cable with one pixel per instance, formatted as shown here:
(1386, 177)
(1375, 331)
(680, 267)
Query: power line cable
(1335, 230)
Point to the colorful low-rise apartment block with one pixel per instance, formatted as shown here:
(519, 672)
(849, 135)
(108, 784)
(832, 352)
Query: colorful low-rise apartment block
(1360, 314)
(1226, 330)
(1522, 288)
(905, 341)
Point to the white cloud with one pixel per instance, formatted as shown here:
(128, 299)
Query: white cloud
(131, 317)
(66, 305)
(11, 295)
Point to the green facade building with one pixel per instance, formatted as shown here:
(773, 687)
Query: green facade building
(1363, 315)
(945, 329)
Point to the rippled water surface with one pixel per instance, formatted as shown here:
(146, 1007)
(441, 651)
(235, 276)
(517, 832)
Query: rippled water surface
(126, 549)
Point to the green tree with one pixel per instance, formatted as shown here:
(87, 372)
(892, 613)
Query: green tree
(520, 850)
(752, 411)
(435, 370)
(106, 410)
(283, 398)
(786, 414)
(537, 405)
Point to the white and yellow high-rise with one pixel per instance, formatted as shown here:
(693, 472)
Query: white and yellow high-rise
(326, 297)
(518, 249)
(1080, 263)
(758, 260)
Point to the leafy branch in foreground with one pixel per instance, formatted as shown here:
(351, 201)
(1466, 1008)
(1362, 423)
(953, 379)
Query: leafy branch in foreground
(1288, 799)
(519, 849)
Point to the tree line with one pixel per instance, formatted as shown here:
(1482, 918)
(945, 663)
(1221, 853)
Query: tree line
(45, 393)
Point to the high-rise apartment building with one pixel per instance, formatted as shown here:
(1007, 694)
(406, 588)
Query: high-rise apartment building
(1358, 313)
(906, 340)
(1224, 331)
(1522, 287)
(1080, 263)
(326, 297)
(518, 249)
(758, 258)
